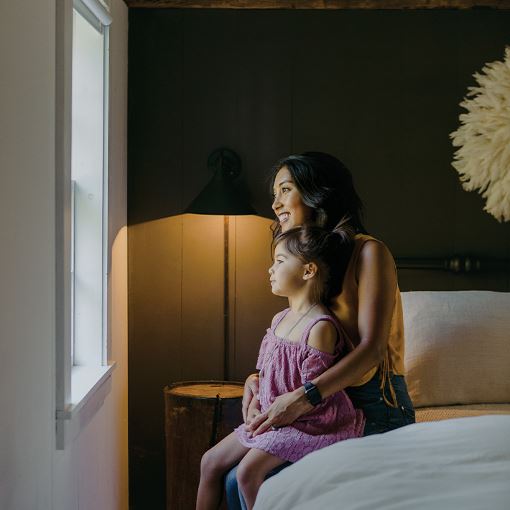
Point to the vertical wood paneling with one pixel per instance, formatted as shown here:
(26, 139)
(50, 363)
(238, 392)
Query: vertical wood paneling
(232, 293)
(202, 297)
(263, 98)
(155, 357)
(117, 416)
(154, 316)
(255, 304)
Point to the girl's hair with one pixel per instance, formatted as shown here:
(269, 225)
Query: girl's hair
(329, 250)
(326, 186)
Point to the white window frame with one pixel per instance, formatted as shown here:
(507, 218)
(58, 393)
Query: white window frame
(80, 390)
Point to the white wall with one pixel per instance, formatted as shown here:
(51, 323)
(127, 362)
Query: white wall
(92, 471)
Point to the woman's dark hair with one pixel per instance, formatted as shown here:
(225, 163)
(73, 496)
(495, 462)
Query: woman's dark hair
(329, 250)
(326, 186)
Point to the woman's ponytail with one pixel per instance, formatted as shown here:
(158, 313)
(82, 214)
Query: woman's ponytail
(344, 229)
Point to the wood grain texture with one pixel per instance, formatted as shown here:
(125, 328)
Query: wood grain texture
(193, 424)
(207, 389)
(155, 312)
(255, 304)
(202, 297)
(319, 4)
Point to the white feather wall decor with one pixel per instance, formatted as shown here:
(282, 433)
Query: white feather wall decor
(483, 138)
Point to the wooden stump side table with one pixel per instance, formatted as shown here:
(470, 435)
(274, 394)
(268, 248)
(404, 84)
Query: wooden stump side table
(198, 414)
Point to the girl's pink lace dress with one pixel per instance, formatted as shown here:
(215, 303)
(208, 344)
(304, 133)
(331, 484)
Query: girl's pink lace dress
(284, 366)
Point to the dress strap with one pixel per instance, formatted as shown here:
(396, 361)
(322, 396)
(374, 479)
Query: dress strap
(278, 318)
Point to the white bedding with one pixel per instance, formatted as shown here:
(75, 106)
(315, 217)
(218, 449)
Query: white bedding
(453, 464)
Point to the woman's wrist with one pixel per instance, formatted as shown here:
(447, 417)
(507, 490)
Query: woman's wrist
(300, 400)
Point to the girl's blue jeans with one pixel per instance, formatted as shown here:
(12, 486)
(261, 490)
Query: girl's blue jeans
(379, 418)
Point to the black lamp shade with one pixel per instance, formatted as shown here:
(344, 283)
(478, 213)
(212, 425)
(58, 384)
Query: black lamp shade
(220, 196)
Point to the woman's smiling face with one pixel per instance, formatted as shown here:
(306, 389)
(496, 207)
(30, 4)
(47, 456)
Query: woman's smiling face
(287, 202)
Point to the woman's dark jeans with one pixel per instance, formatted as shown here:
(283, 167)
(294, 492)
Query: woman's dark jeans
(379, 418)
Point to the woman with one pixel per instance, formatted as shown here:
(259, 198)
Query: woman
(316, 188)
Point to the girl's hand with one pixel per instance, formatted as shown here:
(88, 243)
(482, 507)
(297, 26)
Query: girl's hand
(253, 411)
(285, 409)
(251, 391)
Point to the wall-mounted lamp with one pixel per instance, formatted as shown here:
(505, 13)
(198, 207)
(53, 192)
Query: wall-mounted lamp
(220, 197)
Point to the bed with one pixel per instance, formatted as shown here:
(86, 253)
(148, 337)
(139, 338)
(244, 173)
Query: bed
(461, 463)
(458, 454)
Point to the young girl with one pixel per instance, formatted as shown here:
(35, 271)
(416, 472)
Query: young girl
(303, 341)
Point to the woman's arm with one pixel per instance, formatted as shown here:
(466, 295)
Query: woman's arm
(376, 301)
(377, 281)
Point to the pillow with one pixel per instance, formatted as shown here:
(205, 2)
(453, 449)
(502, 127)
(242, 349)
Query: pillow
(457, 347)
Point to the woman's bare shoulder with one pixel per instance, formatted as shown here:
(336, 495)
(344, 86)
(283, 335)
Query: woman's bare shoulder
(373, 247)
(375, 256)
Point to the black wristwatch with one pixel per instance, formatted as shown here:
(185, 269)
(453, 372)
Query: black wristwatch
(312, 393)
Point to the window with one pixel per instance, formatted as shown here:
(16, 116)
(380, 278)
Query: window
(89, 170)
(82, 318)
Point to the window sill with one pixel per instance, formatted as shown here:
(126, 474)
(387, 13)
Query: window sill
(89, 388)
(85, 383)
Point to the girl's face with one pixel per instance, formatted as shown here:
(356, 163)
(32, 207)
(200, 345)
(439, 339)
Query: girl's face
(286, 273)
(287, 202)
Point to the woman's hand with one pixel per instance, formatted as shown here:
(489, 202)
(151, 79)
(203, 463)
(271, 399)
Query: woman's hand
(283, 411)
(251, 392)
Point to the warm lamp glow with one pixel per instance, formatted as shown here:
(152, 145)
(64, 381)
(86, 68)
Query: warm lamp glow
(220, 197)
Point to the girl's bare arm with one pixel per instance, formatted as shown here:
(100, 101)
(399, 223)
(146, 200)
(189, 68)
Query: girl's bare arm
(250, 395)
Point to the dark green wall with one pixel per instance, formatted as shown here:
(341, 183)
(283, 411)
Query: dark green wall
(378, 89)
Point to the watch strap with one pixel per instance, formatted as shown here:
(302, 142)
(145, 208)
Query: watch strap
(312, 393)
